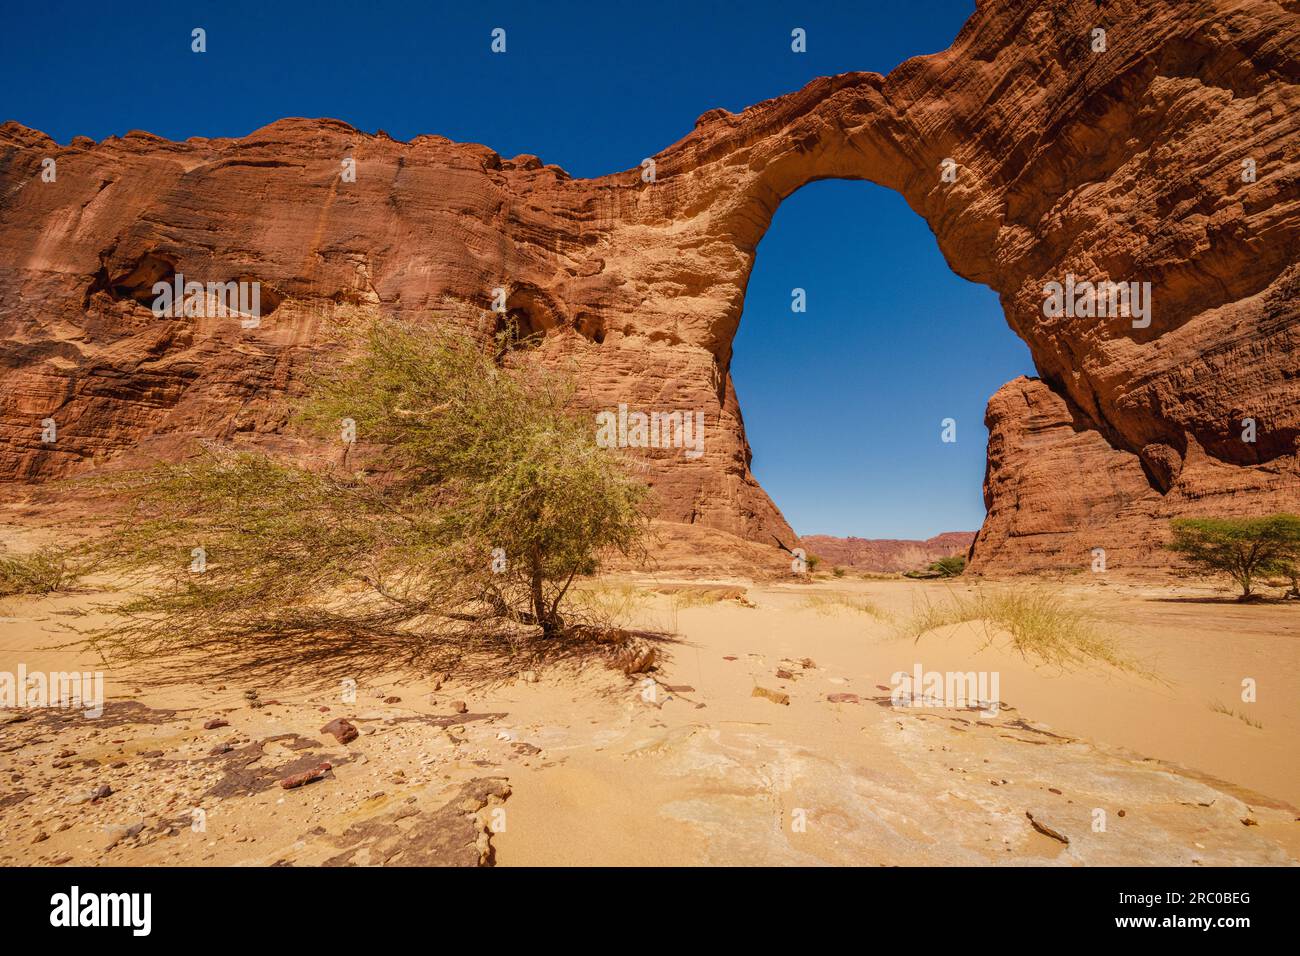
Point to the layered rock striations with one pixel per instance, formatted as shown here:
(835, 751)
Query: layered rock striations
(1124, 165)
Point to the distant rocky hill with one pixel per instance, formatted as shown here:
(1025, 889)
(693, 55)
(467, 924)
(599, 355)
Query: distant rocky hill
(885, 554)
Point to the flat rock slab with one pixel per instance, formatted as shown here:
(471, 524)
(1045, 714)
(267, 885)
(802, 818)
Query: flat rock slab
(911, 791)
(455, 833)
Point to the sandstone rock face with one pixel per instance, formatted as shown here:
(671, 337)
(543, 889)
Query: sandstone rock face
(885, 554)
(1059, 496)
(1122, 165)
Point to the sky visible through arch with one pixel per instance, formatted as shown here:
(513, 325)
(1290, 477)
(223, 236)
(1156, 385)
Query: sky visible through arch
(892, 341)
(843, 403)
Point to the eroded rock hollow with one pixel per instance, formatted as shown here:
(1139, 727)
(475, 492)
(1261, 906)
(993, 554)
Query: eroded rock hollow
(1126, 164)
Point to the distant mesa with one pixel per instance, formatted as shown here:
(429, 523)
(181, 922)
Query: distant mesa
(884, 554)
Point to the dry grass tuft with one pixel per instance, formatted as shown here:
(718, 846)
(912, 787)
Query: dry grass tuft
(618, 603)
(703, 595)
(1042, 625)
(1220, 708)
(827, 604)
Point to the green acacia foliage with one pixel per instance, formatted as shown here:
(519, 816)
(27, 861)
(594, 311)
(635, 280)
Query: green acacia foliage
(1242, 548)
(950, 566)
(485, 498)
(40, 572)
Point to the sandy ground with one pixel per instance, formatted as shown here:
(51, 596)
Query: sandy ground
(1088, 765)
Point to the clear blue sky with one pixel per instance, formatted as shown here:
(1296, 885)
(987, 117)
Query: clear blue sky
(892, 341)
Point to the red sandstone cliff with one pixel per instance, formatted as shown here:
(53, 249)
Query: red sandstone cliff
(885, 554)
(1120, 165)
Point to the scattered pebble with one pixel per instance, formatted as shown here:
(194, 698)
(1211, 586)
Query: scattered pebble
(775, 696)
(1045, 830)
(306, 777)
(342, 730)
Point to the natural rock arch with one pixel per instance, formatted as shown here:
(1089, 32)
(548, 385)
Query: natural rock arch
(1123, 165)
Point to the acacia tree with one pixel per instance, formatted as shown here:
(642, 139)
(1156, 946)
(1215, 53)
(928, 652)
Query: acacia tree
(1242, 548)
(494, 455)
(485, 498)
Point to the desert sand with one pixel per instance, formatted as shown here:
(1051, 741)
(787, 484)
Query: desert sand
(580, 764)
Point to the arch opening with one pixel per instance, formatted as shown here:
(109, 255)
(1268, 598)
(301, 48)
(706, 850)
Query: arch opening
(845, 403)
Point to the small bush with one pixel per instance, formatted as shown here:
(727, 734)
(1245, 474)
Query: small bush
(950, 566)
(41, 572)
